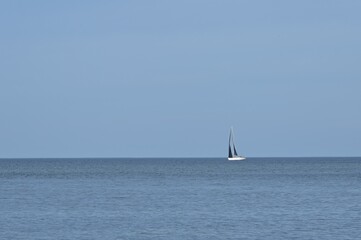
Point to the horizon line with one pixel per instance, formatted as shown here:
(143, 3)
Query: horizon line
(175, 157)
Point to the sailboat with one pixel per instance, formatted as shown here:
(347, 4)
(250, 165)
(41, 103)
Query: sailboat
(232, 152)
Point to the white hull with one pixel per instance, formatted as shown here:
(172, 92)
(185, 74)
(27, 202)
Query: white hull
(236, 158)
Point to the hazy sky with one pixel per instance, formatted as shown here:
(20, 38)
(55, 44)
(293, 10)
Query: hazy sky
(169, 78)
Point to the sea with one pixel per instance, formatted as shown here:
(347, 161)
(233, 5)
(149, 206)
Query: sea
(180, 198)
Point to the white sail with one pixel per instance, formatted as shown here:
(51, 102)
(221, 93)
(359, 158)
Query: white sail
(232, 152)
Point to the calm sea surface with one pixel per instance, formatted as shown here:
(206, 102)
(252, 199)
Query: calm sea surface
(260, 198)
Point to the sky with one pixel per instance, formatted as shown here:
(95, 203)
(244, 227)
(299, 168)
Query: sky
(169, 78)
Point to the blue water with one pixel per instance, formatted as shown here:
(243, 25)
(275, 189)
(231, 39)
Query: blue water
(269, 198)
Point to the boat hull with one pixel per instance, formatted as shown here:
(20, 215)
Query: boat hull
(236, 158)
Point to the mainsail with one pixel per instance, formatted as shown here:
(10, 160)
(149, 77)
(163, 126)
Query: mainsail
(230, 154)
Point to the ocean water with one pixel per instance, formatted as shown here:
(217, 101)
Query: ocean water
(260, 198)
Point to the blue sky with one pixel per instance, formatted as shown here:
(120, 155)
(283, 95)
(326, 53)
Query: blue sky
(169, 78)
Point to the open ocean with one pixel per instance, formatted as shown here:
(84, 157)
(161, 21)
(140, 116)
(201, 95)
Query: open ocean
(193, 198)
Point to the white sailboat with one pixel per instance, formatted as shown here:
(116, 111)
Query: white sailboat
(232, 152)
